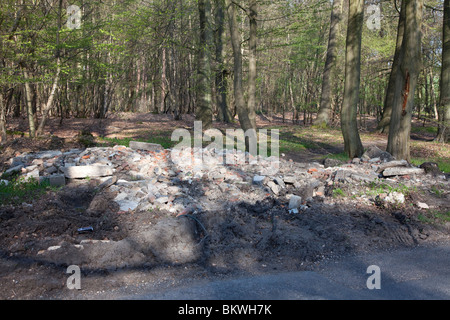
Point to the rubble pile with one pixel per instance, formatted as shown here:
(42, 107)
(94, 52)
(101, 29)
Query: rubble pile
(146, 177)
(238, 202)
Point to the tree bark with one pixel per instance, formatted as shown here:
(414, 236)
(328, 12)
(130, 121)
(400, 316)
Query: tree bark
(444, 102)
(252, 61)
(352, 141)
(406, 82)
(3, 134)
(204, 103)
(242, 109)
(383, 126)
(221, 73)
(51, 97)
(323, 117)
(29, 104)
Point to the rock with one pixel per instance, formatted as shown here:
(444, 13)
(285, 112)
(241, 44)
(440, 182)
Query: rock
(106, 184)
(126, 205)
(402, 171)
(332, 163)
(162, 200)
(258, 180)
(80, 172)
(363, 177)
(422, 205)
(401, 163)
(13, 170)
(279, 182)
(375, 152)
(51, 170)
(289, 179)
(47, 154)
(295, 202)
(274, 187)
(395, 198)
(341, 176)
(216, 175)
(431, 168)
(33, 175)
(37, 162)
(4, 182)
(356, 160)
(135, 145)
(17, 161)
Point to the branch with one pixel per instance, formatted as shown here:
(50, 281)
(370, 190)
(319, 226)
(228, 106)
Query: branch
(242, 8)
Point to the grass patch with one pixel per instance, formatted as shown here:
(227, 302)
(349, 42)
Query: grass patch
(432, 130)
(434, 217)
(20, 190)
(343, 156)
(376, 188)
(338, 193)
(165, 142)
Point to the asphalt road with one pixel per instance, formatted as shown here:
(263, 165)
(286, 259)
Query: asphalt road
(421, 273)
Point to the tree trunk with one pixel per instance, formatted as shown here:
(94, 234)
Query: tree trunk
(252, 60)
(163, 80)
(29, 104)
(323, 117)
(352, 140)
(406, 82)
(383, 126)
(51, 97)
(204, 103)
(242, 109)
(444, 103)
(221, 73)
(49, 103)
(3, 134)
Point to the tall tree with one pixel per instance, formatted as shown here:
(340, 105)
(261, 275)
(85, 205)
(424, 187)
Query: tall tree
(252, 61)
(352, 141)
(204, 103)
(51, 97)
(2, 118)
(220, 69)
(383, 125)
(444, 103)
(323, 117)
(246, 116)
(406, 81)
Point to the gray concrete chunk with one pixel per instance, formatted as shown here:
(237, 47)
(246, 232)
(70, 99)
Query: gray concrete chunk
(135, 145)
(81, 172)
(402, 171)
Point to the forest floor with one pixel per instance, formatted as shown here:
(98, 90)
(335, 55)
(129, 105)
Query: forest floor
(242, 238)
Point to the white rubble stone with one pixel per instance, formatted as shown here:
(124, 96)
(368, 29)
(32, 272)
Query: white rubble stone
(295, 202)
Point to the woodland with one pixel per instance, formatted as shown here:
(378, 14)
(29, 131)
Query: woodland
(316, 62)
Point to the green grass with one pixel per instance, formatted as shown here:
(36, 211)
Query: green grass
(438, 192)
(165, 142)
(20, 190)
(377, 188)
(338, 193)
(434, 216)
(432, 130)
(343, 156)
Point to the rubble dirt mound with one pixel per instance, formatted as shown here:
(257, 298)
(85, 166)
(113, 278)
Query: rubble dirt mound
(146, 208)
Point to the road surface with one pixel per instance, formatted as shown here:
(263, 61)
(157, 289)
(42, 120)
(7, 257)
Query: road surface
(408, 274)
